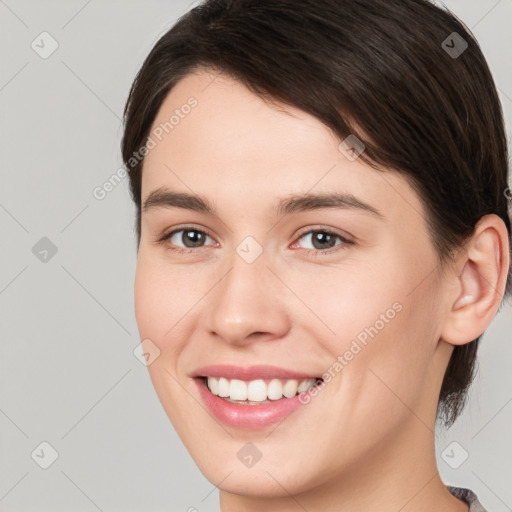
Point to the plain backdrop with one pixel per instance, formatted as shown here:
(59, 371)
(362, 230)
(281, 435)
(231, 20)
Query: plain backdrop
(68, 376)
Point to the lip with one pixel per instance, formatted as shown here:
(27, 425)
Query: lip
(246, 416)
(248, 373)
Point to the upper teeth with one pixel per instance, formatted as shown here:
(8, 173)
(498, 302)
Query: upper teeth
(258, 390)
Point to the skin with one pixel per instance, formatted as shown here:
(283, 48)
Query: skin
(366, 441)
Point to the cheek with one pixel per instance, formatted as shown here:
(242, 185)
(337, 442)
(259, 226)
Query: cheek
(168, 305)
(161, 304)
(350, 300)
(381, 337)
(163, 293)
(148, 300)
(161, 300)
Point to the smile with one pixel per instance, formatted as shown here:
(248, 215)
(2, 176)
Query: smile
(256, 392)
(254, 397)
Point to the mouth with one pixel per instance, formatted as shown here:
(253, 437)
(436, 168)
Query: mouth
(253, 397)
(254, 404)
(258, 391)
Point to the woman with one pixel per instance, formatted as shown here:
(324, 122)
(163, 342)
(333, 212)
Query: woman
(323, 237)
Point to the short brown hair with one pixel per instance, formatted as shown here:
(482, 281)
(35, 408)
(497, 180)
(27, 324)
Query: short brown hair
(379, 69)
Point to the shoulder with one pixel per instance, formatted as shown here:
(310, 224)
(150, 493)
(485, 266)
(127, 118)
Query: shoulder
(467, 496)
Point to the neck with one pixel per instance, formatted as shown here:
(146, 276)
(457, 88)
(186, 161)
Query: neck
(400, 475)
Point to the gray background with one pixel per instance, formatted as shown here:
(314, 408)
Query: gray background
(68, 375)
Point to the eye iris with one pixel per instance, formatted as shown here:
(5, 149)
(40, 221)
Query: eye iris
(322, 237)
(192, 238)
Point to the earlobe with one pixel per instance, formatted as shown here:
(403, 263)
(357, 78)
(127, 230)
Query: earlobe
(481, 282)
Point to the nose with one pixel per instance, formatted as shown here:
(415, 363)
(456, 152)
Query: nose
(248, 304)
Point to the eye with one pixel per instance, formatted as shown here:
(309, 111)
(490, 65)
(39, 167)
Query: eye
(322, 240)
(186, 239)
(189, 238)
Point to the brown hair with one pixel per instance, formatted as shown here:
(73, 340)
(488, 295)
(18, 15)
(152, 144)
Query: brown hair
(384, 70)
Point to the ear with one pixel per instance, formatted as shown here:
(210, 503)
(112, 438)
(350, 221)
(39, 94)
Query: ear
(481, 271)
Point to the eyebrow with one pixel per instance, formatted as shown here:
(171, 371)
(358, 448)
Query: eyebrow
(165, 198)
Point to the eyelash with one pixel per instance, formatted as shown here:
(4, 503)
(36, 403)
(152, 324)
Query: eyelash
(313, 252)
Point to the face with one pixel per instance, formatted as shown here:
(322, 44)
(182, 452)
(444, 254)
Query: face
(298, 263)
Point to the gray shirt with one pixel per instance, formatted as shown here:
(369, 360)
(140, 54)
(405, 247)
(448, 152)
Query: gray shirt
(467, 496)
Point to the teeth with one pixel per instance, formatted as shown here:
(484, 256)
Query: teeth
(257, 390)
(290, 388)
(303, 386)
(223, 390)
(275, 389)
(237, 390)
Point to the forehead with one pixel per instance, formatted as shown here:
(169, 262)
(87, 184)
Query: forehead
(215, 137)
(229, 123)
